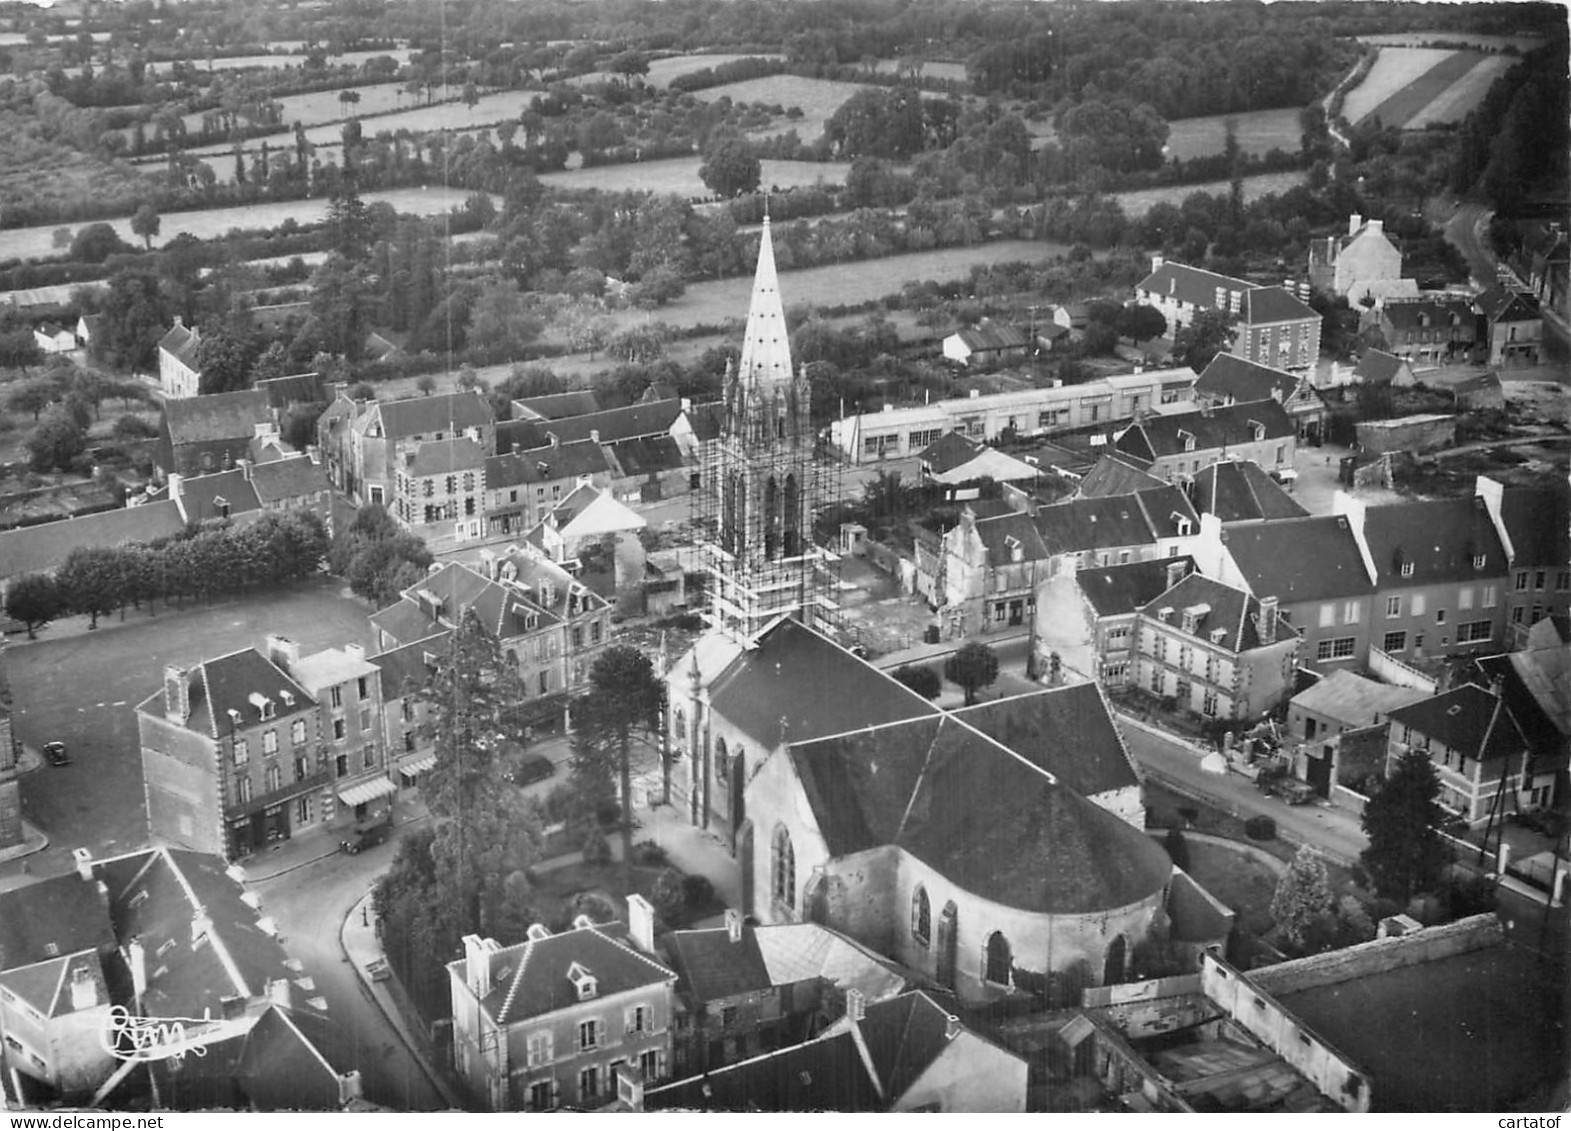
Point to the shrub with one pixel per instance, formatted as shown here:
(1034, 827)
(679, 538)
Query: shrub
(649, 854)
(697, 891)
(597, 849)
(667, 896)
(922, 680)
(1260, 828)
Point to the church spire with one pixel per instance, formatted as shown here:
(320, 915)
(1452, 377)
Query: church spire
(766, 354)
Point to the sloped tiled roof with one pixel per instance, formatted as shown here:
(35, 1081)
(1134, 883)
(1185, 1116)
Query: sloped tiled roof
(556, 406)
(52, 918)
(1439, 537)
(542, 465)
(1067, 731)
(404, 621)
(706, 419)
(796, 683)
(1003, 533)
(1228, 608)
(1190, 284)
(1300, 559)
(613, 425)
(1117, 473)
(1538, 522)
(530, 979)
(442, 412)
(647, 455)
(200, 495)
(1437, 312)
(1229, 377)
(1536, 687)
(1378, 367)
(949, 451)
(297, 388)
(293, 477)
(992, 336)
(287, 1062)
(1213, 429)
(1241, 491)
(446, 457)
(1467, 719)
(989, 464)
(827, 1074)
(1355, 700)
(226, 683)
(1121, 589)
(709, 966)
(1502, 304)
(181, 342)
(216, 416)
(29, 549)
(1110, 521)
(403, 670)
(1263, 305)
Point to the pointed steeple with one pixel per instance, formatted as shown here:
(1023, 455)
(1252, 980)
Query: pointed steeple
(766, 354)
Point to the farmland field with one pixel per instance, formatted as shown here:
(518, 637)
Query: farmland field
(818, 99)
(679, 175)
(1138, 202)
(1462, 96)
(1480, 40)
(206, 224)
(1258, 133)
(324, 106)
(662, 71)
(1394, 70)
(954, 72)
(1400, 107)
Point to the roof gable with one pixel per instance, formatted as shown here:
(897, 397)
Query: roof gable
(442, 412)
(1433, 540)
(1209, 429)
(1300, 559)
(216, 416)
(1066, 731)
(1241, 491)
(52, 918)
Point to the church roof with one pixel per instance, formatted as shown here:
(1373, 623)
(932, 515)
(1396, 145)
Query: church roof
(766, 352)
(1067, 731)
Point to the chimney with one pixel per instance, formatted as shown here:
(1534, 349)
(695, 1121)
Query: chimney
(136, 959)
(556, 441)
(357, 651)
(856, 1005)
(283, 652)
(733, 924)
(177, 694)
(1176, 572)
(1354, 222)
(1268, 618)
(179, 322)
(951, 1027)
(245, 469)
(536, 932)
(594, 435)
(1377, 226)
(1156, 263)
(174, 486)
(582, 922)
(477, 966)
(641, 923)
(349, 1088)
(84, 862)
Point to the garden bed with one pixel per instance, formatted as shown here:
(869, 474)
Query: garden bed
(565, 891)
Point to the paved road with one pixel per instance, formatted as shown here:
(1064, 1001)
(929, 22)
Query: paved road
(309, 904)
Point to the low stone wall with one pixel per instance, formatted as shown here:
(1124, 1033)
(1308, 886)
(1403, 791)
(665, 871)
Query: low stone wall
(1379, 956)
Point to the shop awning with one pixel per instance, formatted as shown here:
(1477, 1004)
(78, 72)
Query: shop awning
(418, 765)
(366, 791)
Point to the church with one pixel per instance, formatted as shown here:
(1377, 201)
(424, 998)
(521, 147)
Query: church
(987, 848)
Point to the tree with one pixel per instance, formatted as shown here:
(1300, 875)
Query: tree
(1210, 333)
(974, 666)
(19, 349)
(921, 679)
(624, 694)
(730, 166)
(56, 442)
(1405, 854)
(1140, 322)
(92, 580)
(1303, 895)
(629, 64)
(33, 397)
(96, 243)
(33, 599)
(146, 223)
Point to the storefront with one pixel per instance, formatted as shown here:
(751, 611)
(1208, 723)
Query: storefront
(366, 800)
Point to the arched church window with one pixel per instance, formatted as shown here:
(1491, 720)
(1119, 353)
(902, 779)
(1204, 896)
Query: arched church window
(784, 870)
(792, 520)
(921, 916)
(771, 518)
(998, 959)
(679, 731)
(722, 765)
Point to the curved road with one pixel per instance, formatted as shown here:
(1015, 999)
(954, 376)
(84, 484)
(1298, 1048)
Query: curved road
(309, 904)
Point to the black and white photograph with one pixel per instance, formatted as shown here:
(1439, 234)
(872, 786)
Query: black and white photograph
(784, 556)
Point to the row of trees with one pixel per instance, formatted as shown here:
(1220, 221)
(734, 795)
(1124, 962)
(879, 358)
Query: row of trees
(275, 548)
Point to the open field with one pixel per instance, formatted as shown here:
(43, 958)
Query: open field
(817, 98)
(82, 688)
(955, 72)
(1139, 201)
(662, 71)
(206, 224)
(1480, 40)
(1431, 85)
(679, 175)
(1258, 132)
(1459, 99)
(1394, 69)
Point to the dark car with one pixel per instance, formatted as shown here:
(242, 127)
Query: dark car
(366, 836)
(527, 771)
(56, 753)
(1293, 791)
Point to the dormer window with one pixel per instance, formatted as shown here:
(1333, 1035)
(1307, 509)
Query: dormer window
(1165, 614)
(1188, 438)
(583, 981)
(1259, 429)
(1478, 561)
(1182, 523)
(1407, 569)
(1016, 550)
(1217, 634)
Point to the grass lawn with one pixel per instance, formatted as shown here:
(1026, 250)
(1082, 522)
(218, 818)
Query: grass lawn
(1459, 99)
(1139, 201)
(1481, 40)
(954, 72)
(1394, 70)
(1402, 106)
(818, 99)
(82, 688)
(1258, 133)
(679, 175)
(662, 71)
(558, 893)
(1238, 880)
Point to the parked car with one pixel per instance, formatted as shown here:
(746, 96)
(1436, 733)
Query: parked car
(56, 753)
(527, 771)
(1293, 791)
(365, 836)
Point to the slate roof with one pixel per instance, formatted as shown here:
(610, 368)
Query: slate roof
(199, 495)
(1355, 700)
(1229, 608)
(710, 966)
(1300, 559)
(29, 549)
(983, 816)
(949, 451)
(1213, 429)
(444, 457)
(1538, 523)
(297, 388)
(226, 683)
(555, 406)
(403, 670)
(1121, 589)
(1440, 537)
(1001, 533)
(648, 455)
(706, 419)
(441, 412)
(1117, 473)
(404, 621)
(1190, 284)
(796, 683)
(1467, 719)
(285, 1063)
(181, 342)
(1109, 521)
(1264, 305)
(613, 425)
(1241, 491)
(1378, 367)
(1501, 304)
(529, 979)
(216, 416)
(522, 435)
(542, 465)
(52, 918)
(1234, 378)
(992, 336)
(1067, 731)
(293, 477)
(1536, 687)
(1439, 311)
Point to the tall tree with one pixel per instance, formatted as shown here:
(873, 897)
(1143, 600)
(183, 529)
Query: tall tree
(1210, 333)
(974, 666)
(624, 696)
(33, 599)
(730, 165)
(92, 581)
(1405, 854)
(146, 223)
(1303, 895)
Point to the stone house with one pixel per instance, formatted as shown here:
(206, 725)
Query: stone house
(1361, 264)
(1229, 380)
(1426, 329)
(179, 370)
(522, 486)
(1088, 617)
(199, 435)
(1514, 324)
(1241, 491)
(1272, 326)
(441, 481)
(366, 445)
(1178, 445)
(1478, 750)
(1534, 528)
(1332, 721)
